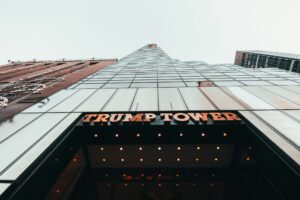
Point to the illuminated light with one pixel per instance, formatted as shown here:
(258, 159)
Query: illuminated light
(116, 135)
(103, 159)
(177, 185)
(181, 134)
(159, 175)
(106, 175)
(211, 185)
(216, 159)
(56, 159)
(177, 175)
(178, 148)
(96, 135)
(74, 160)
(203, 134)
(195, 175)
(122, 159)
(124, 175)
(159, 160)
(225, 134)
(248, 158)
(140, 148)
(102, 148)
(197, 159)
(107, 184)
(198, 148)
(178, 159)
(158, 148)
(159, 185)
(218, 148)
(121, 149)
(142, 175)
(213, 175)
(57, 190)
(138, 135)
(194, 185)
(250, 147)
(143, 185)
(141, 159)
(125, 184)
(159, 135)
(71, 149)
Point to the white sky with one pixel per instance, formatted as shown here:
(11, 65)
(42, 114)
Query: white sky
(208, 30)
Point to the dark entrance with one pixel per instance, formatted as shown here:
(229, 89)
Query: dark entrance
(161, 161)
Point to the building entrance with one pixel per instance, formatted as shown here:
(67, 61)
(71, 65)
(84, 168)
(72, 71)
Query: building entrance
(210, 158)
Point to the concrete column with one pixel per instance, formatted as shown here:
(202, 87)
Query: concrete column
(292, 64)
(256, 64)
(266, 64)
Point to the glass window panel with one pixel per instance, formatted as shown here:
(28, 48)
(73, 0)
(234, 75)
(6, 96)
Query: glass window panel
(137, 85)
(96, 102)
(294, 113)
(121, 100)
(117, 85)
(171, 84)
(145, 100)
(287, 126)
(227, 83)
(170, 99)
(284, 83)
(73, 101)
(51, 101)
(23, 163)
(8, 127)
(3, 187)
(256, 83)
(88, 86)
(272, 98)
(22, 141)
(248, 99)
(222, 100)
(195, 100)
(270, 133)
(292, 96)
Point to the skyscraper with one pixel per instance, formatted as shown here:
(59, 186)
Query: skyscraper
(153, 127)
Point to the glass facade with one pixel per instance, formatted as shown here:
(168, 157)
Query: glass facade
(148, 80)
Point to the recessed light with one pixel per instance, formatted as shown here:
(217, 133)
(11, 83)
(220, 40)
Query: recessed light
(159, 135)
(103, 159)
(178, 148)
(216, 159)
(159, 148)
(140, 148)
(116, 135)
(177, 175)
(198, 148)
(122, 159)
(159, 160)
(181, 134)
(197, 159)
(178, 159)
(121, 148)
(224, 134)
(159, 185)
(203, 134)
(102, 148)
(248, 158)
(141, 159)
(138, 135)
(96, 135)
(218, 148)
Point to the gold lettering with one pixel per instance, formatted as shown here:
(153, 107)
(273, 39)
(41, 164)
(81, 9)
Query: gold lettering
(216, 116)
(231, 116)
(166, 116)
(196, 117)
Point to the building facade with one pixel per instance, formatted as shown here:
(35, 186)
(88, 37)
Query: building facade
(24, 83)
(153, 127)
(265, 59)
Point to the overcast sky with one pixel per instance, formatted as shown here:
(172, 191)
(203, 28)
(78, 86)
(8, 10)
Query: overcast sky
(208, 30)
